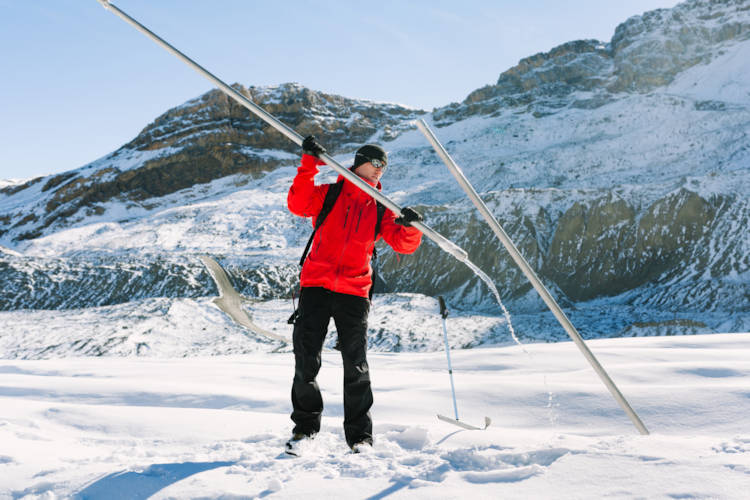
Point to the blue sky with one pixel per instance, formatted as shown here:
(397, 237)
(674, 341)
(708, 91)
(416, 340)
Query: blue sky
(78, 82)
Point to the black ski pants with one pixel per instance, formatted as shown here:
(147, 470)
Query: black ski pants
(349, 312)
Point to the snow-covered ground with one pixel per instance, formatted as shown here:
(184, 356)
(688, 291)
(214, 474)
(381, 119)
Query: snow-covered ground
(214, 427)
(175, 328)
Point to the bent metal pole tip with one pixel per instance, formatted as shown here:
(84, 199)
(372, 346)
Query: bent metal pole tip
(105, 3)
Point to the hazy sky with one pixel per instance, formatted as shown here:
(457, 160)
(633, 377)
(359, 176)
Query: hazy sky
(77, 82)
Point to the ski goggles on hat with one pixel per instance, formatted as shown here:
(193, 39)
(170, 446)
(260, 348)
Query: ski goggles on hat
(375, 162)
(379, 164)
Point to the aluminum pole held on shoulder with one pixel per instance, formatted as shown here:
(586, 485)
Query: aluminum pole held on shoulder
(293, 136)
(531, 275)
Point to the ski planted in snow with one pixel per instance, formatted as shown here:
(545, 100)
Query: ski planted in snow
(230, 301)
(454, 421)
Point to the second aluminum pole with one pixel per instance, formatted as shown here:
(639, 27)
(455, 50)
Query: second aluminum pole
(531, 275)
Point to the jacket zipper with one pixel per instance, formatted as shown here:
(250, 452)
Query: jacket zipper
(343, 249)
(359, 218)
(346, 217)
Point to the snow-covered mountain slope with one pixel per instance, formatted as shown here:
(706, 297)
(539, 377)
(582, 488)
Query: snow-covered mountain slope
(630, 199)
(646, 52)
(204, 139)
(215, 427)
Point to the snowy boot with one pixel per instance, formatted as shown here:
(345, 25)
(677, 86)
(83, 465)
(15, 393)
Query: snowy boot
(362, 447)
(298, 443)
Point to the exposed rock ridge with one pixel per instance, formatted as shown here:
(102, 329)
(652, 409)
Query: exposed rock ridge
(646, 52)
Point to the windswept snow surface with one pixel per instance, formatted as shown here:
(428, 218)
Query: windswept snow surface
(214, 427)
(176, 328)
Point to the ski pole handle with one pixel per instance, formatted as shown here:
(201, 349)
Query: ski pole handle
(443, 309)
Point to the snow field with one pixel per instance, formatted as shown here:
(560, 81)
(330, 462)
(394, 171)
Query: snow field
(163, 327)
(214, 427)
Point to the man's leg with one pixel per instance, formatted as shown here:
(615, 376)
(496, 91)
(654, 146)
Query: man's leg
(350, 314)
(308, 337)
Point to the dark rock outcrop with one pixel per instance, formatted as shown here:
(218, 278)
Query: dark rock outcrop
(206, 138)
(646, 52)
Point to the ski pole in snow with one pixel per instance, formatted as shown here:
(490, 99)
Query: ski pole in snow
(531, 275)
(444, 315)
(487, 421)
(293, 136)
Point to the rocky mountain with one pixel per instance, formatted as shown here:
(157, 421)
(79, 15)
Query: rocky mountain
(645, 53)
(204, 139)
(620, 169)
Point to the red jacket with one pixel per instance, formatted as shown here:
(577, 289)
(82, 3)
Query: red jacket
(339, 257)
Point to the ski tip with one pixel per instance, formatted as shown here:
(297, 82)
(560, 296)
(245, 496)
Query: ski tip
(464, 425)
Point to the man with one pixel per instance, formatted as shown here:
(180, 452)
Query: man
(336, 280)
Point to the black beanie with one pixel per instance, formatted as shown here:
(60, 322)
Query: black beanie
(369, 152)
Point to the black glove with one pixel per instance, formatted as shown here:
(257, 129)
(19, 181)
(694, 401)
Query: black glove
(311, 147)
(408, 216)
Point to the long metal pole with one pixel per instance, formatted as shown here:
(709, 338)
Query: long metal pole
(293, 136)
(531, 275)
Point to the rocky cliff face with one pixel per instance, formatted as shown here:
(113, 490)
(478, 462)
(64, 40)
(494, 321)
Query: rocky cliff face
(649, 50)
(646, 52)
(542, 83)
(214, 118)
(680, 252)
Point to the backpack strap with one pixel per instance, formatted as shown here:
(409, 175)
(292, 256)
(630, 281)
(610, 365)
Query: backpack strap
(374, 261)
(331, 196)
(381, 213)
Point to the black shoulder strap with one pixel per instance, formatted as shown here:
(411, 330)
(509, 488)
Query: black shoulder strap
(374, 262)
(331, 196)
(381, 213)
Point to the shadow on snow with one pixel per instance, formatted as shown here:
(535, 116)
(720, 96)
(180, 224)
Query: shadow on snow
(141, 485)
